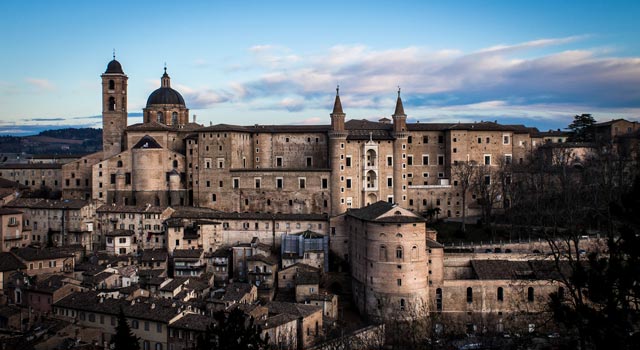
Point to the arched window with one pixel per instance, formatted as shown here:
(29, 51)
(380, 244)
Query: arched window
(399, 253)
(383, 253)
(174, 118)
(119, 164)
(112, 85)
(530, 295)
(500, 294)
(160, 117)
(402, 304)
(175, 163)
(469, 295)
(158, 346)
(112, 104)
(414, 253)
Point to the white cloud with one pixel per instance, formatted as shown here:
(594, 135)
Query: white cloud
(41, 84)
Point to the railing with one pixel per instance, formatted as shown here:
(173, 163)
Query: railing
(12, 237)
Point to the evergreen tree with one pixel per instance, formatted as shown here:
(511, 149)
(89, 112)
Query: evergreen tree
(582, 128)
(232, 331)
(124, 339)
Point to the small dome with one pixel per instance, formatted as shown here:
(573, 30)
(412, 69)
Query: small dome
(165, 96)
(114, 67)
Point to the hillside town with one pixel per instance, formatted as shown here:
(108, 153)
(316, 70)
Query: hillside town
(320, 234)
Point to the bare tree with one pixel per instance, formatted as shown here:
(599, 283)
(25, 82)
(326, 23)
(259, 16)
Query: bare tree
(463, 172)
(487, 188)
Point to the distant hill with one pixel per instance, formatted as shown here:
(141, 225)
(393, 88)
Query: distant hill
(60, 141)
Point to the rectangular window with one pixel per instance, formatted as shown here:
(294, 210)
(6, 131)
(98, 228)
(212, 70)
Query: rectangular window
(325, 183)
(302, 182)
(348, 161)
(389, 161)
(389, 182)
(236, 182)
(505, 139)
(279, 162)
(348, 182)
(127, 178)
(425, 160)
(425, 139)
(487, 159)
(507, 159)
(440, 160)
(308, 160)
(440, 139)
(399, 282)
(409, 160)
(113, 179)
(279, 182)
(257, 182)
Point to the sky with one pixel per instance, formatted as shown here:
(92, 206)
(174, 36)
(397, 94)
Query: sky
(537, 63)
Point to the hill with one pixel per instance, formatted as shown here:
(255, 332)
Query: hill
(60, 141)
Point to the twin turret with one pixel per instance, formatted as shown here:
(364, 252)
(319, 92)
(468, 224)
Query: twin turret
(338, 116)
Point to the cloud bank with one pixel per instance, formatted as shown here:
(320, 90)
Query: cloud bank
(544, 78)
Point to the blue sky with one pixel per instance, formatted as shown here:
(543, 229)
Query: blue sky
(278, 62)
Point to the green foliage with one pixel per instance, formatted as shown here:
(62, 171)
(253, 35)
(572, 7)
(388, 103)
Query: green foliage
(232, 331)
(582, 128)
(124, 339)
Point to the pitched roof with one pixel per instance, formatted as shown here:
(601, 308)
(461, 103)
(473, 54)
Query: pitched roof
(174, 284)
(39, 203)
(9, 262)
(153, 309)
(149, 209)
(119, 233)
(373, 212)
(8, 211)
(205, 213)
(194, 322)
(501, 269)
(154, 255)
(33, 254)
(5, 183)
(265, 259)
(187, 253)
(299, 310)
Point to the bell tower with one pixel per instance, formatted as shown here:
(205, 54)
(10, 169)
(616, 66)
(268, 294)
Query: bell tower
(114, 109)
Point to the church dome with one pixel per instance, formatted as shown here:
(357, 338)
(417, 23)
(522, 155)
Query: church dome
(165, 95)
(114, 67)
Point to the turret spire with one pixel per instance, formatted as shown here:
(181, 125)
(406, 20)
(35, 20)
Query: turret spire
(399, 107)
(337, 105)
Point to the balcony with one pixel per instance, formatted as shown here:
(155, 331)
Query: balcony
(12, 237)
